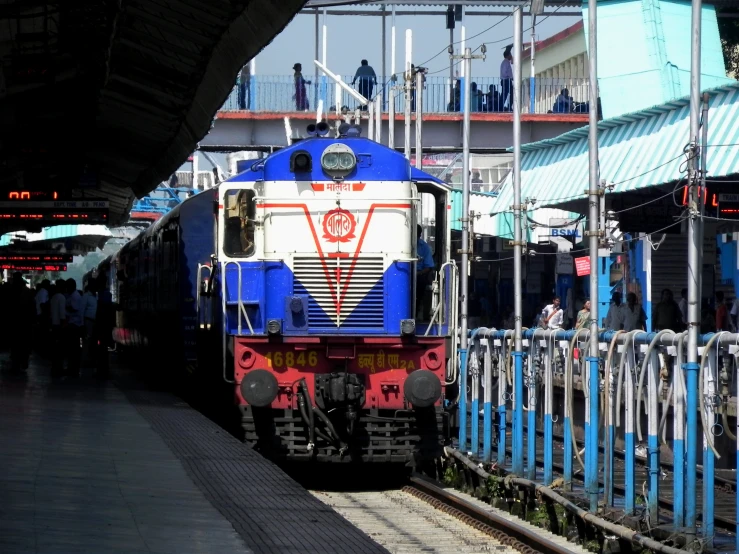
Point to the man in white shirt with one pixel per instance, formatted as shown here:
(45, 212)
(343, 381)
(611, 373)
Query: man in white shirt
(506, 79)
(552, 315)
(42, 296)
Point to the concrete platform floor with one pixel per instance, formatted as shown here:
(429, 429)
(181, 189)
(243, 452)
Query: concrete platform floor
(95, 467)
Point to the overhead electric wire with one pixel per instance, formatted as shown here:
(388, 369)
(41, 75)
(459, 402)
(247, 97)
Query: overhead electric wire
(559, 226)
(562, 5)
(578, 250)
(434, 72)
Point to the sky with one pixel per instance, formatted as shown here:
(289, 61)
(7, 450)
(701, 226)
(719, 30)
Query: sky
(352, 38)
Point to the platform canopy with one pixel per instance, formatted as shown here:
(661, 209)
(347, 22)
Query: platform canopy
(105, 99)
(636, 151)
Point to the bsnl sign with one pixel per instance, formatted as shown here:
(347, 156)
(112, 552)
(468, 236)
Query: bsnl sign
(559, 227)
(569, 233)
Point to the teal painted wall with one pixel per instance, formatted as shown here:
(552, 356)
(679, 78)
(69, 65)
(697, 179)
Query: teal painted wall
(644, 53)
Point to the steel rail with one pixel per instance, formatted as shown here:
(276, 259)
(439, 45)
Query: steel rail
(529, 541)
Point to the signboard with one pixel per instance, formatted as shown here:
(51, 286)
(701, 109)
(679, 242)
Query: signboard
(728, 206)
(564, 263)
(28, 208)
(31, 195)
(582, 266)
(564, 228)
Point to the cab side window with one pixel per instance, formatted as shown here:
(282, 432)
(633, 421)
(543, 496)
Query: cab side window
(238, 223)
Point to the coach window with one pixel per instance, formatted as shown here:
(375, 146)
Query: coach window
(238, 223)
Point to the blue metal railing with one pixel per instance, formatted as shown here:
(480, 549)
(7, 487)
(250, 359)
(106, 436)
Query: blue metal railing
(276, 93)
(647, 367)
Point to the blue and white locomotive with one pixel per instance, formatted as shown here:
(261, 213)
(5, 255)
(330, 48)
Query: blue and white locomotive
(296, 282)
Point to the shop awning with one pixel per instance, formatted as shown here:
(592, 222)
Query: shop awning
(638, 150)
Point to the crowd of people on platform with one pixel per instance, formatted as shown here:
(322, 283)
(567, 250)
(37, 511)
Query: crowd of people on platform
(59, 322)
(630, 316)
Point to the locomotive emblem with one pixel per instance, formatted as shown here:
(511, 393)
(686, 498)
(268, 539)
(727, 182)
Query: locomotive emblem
(339, 226)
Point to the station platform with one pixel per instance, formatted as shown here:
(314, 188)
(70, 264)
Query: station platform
(91, 467)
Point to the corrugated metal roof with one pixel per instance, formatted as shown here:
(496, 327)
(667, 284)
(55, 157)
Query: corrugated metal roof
(636, 150)
(481, 203)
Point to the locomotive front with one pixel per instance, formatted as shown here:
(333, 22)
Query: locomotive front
(319, 286)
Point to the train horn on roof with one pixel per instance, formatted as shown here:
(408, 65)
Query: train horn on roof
(322, 129)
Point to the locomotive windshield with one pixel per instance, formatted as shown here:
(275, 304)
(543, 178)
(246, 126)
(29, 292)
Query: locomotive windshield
(238, 223)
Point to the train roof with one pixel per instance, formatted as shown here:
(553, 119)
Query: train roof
(375, 162)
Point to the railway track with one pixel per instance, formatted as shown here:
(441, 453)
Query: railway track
(424, 517)
(725, 505)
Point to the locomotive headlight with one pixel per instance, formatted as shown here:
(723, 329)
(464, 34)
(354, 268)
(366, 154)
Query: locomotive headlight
(338, 160)
(331, 161)
(346, 161)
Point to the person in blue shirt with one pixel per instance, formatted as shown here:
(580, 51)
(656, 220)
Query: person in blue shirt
(424, 272)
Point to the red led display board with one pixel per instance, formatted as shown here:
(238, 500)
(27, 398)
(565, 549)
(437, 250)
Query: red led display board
(53, 211)
(721, 204)
(35, 258)
(32, 195)
(29, 266)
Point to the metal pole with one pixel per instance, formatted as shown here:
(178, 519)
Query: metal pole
(694, 269)
(371, 119)
(384, 52)
(407, 80)
(419, 119)
(466, 64)
(703, 194)
(195, 171)
(392, 43)
(451, 66)
(391, 118)
(324, 56)
(517, 245)
(591, 416)
(317, 51)
(391, 101)
(709, 461)
(532, 83)
(378, 119)
(324, 43)
(463, 42)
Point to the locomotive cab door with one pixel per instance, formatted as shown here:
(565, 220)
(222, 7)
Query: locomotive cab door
(237, 272)
(432, 305)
